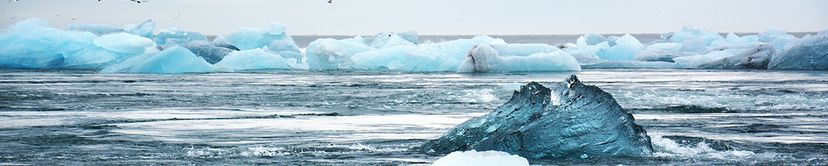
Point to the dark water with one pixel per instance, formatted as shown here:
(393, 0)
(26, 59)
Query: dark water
(698, 117)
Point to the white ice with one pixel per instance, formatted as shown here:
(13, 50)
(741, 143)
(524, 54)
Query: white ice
(481, 158)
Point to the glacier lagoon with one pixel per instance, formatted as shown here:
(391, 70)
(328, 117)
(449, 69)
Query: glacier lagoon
(88, 95)
(345, 117)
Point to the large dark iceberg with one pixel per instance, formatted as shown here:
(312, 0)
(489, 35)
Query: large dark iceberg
(570, 120)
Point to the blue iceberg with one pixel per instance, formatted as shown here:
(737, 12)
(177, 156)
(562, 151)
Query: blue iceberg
(809, 53)
(275, 38)
(484, 58)
(568, 120)
(172, 60)
(33, 44)
(211, 52)
(175, 36)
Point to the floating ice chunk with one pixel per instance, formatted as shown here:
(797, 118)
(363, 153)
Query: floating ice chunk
(661, 52)
(275, 38)
(174, 36)
(586, 54)
(585, 122)
(444, 56)
(626, 48)
(690, 34)
(210, 51)
(632, 65)
(809, 53)
(334, 54)
(256, 59)
(752, 58)
(482, 158)
(124, 43)
(777, 38)
(404, 58)
(171, 60)
(590, 39)
(32, 44)
(484, 58)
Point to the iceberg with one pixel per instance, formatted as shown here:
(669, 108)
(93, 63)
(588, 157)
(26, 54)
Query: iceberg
(590, 39)
(752, 53)
(754, 58)
(33, 44)
(484, 58)
(482, 158)
(172, 60)
(256, 59)
(324, 54)
(175, 36)
(568, 120)
(809, 53)
(211, 52)
(626, 48)
(275, 38)
(524, 49)
(664, 52)
(443, 56)
(777, 38)
(124, 43)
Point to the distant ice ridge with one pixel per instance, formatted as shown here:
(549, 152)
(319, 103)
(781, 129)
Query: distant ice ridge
(33, 44)
(480, 158)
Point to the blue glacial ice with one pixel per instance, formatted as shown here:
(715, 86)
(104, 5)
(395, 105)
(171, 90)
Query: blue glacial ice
(625, 48)
(212, 52)
(175, 36)
(810, 53)
(567, 120)
(484, 58)
(124, 43)
(33, 44)
(171, 60)
(482, 158)
(324, 54)
(275, 38)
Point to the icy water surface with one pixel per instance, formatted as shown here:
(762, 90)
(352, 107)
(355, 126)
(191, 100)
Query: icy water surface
(364, 118)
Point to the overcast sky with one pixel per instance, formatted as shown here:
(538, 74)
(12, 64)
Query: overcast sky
(350, 17)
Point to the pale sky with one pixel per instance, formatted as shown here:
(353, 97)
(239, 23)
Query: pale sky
(491, 17)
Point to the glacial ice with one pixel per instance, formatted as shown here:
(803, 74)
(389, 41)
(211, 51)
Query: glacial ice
(275, 38)
(32, 44)
(324, 54)
(809, 53)
(124, 43)
(568, 120)
(256, 59)
(777, 38)
(481, 158)
(172, 60)
(756, 57)
(211, 52)
(175, 36)
(484, 58)
(625, 48)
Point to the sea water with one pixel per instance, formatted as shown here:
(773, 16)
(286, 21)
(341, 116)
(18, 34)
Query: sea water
(703, 117)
